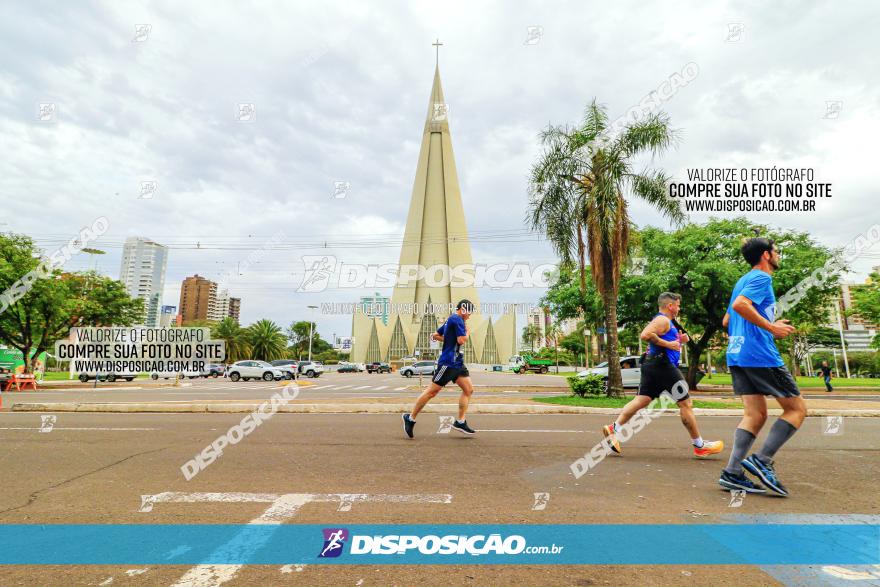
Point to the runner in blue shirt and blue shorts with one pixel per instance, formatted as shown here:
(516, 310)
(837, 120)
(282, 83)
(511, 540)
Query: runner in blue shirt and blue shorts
(450, 368)
(758, 371)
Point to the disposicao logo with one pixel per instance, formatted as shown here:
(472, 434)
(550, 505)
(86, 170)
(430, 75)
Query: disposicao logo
(334, 540)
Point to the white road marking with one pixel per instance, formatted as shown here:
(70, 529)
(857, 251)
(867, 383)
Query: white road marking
(529, 430)
(321, 387)
(378, 388)
(399, 388)
(292, 568)
(343, 387)
(363, 387)
(135, 572)
(848, 574)
(63, 428)
(284, 507)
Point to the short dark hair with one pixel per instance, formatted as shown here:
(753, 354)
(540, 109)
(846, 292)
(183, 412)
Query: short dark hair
(467, 305)
(667, 297)
(753, 248)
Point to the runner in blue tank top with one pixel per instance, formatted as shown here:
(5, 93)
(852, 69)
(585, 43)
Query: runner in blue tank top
(659, 373)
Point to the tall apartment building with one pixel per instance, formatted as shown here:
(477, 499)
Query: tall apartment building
(235, 308)
(220, 309)
(143, 273)
(198, 299)
(201, 300)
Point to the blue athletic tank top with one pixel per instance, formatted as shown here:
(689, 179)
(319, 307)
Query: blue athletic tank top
(671, 334)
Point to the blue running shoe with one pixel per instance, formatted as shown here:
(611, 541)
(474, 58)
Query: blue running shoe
(741, 482)
(765, 472)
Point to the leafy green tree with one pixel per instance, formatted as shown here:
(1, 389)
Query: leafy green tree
(235, 337)
(298, 335)
(702, 263)
(573, 343)
(866, 299)
(52, 305)
(567, 299)
(266, 340)
(577, 200)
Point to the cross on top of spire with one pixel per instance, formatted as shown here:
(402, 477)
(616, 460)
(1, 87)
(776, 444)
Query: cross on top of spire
(437, 44)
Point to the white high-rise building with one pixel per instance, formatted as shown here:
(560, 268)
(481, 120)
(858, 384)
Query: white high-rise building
(143, 274)
(220, 308)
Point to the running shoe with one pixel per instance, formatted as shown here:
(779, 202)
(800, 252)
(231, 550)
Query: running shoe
(765, 472)
(463, 428)
(710, 447)
(408, 425)
(608, 431)
(741, 482)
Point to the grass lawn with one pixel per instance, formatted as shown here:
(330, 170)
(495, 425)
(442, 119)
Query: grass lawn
(724, 379)
(619, 402)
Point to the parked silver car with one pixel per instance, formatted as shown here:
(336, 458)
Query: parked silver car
(630, 370)
(419, 368)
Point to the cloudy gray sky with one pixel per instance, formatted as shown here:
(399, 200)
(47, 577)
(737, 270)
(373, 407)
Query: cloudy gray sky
(340, 91)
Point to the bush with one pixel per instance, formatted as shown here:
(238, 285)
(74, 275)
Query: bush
(589, 385)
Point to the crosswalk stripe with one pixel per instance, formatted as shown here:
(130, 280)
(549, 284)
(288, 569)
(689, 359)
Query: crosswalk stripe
(362, 387)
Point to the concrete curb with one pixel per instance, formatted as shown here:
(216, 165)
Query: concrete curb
(205, 407)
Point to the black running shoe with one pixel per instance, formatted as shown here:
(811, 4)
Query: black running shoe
(408, 425)
(740, 482)
(765, 472)
(463, 428)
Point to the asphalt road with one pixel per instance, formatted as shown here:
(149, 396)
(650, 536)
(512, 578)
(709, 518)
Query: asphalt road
(97, 468)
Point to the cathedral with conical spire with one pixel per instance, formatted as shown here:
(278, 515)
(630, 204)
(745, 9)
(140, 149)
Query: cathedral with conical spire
(436, 237)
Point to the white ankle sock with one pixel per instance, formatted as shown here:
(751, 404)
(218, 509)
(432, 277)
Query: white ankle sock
(698, 442)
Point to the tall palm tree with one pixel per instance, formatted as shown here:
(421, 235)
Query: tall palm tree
(530, 335)
(577, 200)
(235, 337)
(267, 341)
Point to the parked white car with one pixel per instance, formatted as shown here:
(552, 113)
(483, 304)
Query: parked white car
(630, 370)
(311, 369)
(248, 370)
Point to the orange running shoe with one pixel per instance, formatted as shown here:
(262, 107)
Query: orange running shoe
(608, 431)
(710, 447)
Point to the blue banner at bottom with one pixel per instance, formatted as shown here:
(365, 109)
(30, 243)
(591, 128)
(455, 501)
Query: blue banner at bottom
(263, 544)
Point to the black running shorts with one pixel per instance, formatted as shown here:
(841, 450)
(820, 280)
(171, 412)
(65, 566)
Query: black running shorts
(444, 374)
(775, 381)
(659, 375)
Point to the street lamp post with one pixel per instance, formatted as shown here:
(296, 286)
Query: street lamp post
(842, 340)
(311, 328)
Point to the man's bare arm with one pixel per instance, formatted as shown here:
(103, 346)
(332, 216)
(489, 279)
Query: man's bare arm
(654, 329)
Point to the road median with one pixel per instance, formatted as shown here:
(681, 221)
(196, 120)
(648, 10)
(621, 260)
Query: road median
(376, 408)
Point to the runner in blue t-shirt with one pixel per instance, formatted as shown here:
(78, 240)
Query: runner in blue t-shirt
(450, 367)
(757, 370)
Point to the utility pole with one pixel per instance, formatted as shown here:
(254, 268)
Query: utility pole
(311, 328)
